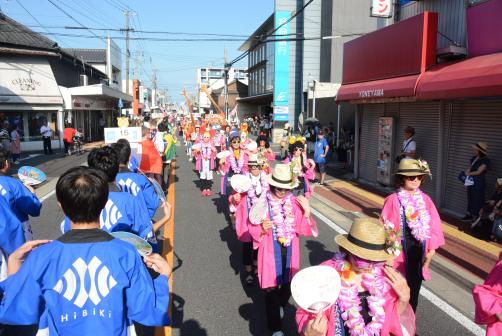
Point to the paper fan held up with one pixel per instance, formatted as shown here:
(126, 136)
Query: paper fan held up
(387, 311)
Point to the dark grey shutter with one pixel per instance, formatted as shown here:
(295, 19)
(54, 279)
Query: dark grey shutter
(470, 122)
(369, 141)
(424, 118)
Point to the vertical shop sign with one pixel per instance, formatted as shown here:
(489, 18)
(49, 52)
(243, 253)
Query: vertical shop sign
(385, 149)
(281, 87)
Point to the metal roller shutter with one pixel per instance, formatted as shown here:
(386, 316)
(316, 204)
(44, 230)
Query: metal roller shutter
(369, 141)
(424, 117)
(470, 122)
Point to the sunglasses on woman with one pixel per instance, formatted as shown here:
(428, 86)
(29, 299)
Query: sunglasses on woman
(236, 141)
(254, 167)
(299, 149)
(412, 178)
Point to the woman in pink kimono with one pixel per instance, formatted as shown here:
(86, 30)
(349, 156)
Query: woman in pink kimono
(204, 163)
(302, 168)
(413, 226)
(235, 163)
(374, 298)
(488, 300)
(265, 153)
(242, 202)
(278, 243)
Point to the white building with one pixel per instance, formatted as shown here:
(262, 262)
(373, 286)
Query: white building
(213, 78)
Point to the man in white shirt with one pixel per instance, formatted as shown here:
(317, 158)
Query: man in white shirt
(46, 132)
(409, 148)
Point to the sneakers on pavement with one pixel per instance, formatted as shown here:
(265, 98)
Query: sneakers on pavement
(278, 333)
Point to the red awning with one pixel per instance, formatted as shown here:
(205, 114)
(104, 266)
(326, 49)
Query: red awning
(384, 88)
(476, 77)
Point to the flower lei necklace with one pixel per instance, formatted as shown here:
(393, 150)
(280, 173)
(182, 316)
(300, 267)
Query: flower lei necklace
(237, 165)
(416, 214)
(254, 185)
(206, 150)
(350, 303)
(283, 218)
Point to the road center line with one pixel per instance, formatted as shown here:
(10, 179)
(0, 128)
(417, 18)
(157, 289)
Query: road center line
(426, 293)
(46, 196)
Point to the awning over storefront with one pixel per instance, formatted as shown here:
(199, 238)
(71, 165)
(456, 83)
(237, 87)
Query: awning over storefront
(476, 77)
(263, 99)
(99, 90)
(378, 89)
(28, 80)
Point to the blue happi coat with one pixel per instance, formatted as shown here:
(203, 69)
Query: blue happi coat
(84, 283)
(11, 229)
(22, 201)
(122, 212)
(140, 187)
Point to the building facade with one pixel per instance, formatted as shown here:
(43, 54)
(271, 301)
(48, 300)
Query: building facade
(441, 79)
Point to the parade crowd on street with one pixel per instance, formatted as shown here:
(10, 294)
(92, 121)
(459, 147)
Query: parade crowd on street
(88, 281)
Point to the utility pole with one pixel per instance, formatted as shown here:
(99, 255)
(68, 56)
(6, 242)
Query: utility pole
(127, 14)
(225, 79)
(154, 87)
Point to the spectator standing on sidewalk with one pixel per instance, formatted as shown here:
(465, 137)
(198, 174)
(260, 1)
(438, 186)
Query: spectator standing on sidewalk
(480, 164)
(409, 149)
(15, 144)
(321, 149)
(5, 136)
(46, 132)
(413, 226)
(68, 134)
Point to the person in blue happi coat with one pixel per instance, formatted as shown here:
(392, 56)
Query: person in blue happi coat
(122, 211)
(86, 282)
(21, 197)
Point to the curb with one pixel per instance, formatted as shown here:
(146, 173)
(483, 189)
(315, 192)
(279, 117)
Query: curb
(439, 264)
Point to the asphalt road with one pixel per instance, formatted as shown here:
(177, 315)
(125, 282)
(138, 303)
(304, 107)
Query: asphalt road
(209, 297)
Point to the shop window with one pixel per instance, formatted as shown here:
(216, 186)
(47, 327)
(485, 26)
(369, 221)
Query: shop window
(35, 121)
(15, 120)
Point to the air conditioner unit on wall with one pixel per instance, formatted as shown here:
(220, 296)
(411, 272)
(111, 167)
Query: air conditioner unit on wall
(451, 53)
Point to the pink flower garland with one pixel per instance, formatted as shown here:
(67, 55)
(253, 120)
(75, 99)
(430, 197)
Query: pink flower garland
(237, 165)
(252, 191)
(206, 150)
(350, 303)
(283, 218)
(416, 214)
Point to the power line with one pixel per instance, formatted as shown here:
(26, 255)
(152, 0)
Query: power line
(243, 55)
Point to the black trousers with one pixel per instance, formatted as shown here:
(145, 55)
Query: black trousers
(248, 254)
(414, 273)
(277, 297)
(47, 145)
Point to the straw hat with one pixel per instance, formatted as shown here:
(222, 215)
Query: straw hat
(253, 160)
(481, 146)
(365, 240)
(412, 167)
(281, 177)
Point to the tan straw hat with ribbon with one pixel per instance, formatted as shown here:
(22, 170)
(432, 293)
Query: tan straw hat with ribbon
(253, 160)
(281, 177)
(481, 146)
(412, 167)
(365, 240)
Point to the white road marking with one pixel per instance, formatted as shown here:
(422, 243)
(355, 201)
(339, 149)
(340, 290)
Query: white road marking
(426, 293)
(46, 196)
(31, 156)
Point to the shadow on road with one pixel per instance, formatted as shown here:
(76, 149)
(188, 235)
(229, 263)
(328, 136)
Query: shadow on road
(317, 252)
(186, 328)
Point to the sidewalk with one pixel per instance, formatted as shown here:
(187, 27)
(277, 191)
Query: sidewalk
(352, 199)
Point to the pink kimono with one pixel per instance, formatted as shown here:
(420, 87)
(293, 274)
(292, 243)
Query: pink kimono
(392, 324)
(198, 156)
(309, 174)
(392, 212)
(241, 218)
(268, 271)
(225, 168)
(488, 300)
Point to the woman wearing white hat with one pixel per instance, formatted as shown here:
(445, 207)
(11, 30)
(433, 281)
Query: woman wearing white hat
(374, 298)
(277, 240)
(242, 202)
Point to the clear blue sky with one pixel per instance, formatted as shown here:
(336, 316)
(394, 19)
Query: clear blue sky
(176, 62)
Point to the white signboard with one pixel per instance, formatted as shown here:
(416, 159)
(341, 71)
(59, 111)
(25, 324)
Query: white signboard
(132, 134)
(381, 8)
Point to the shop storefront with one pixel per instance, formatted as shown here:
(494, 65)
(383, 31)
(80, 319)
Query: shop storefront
(29, 95)
(92, 108)
(451, 106)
